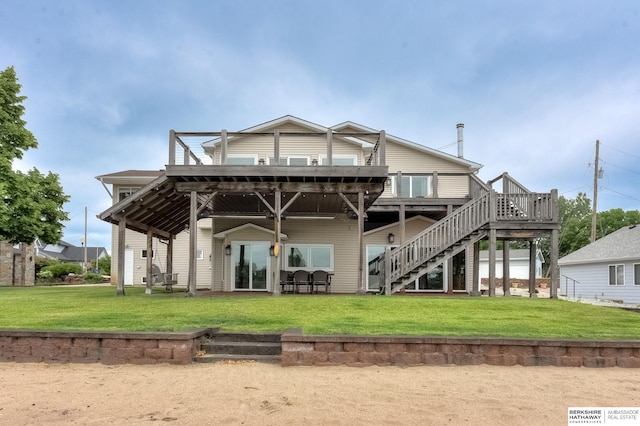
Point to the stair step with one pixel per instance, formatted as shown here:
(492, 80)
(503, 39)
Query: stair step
(210, 358)
(243, 348)
(246, 337)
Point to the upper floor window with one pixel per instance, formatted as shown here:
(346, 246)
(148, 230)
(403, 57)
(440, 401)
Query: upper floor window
(242, 160)
(339, 160)
(616, 274)
(411, 186)
(124, 192)
(636, 274)
(291, 161)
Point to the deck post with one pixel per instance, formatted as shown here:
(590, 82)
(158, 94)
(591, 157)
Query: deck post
(169, 267)
(329, 147)
(172, 147)
(149, 265)
(276, 147)
(193, 241)
(533, 249)
(382, 149)
(277, 210)
(361, 251)
(122, 230)
(506, 277)
(223, 149)
(475, 288)
(554, 265)
(492, 262)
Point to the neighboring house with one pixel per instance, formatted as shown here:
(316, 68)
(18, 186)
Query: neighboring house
(608, 268)
(233, 209)
(518, 263)
(68, 253)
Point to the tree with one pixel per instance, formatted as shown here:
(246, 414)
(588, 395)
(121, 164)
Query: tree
(31, 204)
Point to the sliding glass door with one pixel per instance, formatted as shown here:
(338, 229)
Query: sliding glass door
(250, 266)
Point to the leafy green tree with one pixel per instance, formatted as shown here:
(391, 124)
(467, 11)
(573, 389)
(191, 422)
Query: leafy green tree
(31, 204)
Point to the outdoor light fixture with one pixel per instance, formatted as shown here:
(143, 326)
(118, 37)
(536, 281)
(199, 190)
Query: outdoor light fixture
(391, 238)
(261, 161)
(227, 250)
(314, 162)
(274, 250)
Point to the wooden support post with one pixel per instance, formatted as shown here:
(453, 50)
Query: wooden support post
(122, 228)
(506, 277)
(533, 250)
(193, 241)
(492, 262)
(434, 185)
(329, 147)
(172, 147)
(382, 149)
(277, 212)
(212, 260)
(361, 251)
(223, 147)
(554, 265)
(276, 147)
(149, 265)
(169, 268)
(475, 290)
(403, 223)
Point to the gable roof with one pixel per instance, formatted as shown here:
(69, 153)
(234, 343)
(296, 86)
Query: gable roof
(621, 245)
(248, 226)
(351, 126)
(440, 154)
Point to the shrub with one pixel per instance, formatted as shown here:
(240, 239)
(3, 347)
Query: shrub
(90, 277)
(59, 270)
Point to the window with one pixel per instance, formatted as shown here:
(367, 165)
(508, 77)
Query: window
(339, 160)
(412, 186)
(241, 160)
(636, 274)
(616, 274)
(199, 254)
(309, 257)
(125, 192)
(431, 281)
(291, 161)
(143, 254)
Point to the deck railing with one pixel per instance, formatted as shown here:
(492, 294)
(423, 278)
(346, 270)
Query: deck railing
(188, 148)
(471, 217)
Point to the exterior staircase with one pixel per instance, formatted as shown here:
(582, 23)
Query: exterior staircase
(462, 228)
(260, 347)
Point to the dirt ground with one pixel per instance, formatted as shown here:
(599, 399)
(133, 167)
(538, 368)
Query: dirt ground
(264, 394)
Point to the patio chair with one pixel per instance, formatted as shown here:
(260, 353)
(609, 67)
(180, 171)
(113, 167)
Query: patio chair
(163, 278)
(286, 282)
(319, 279)
(301, 278)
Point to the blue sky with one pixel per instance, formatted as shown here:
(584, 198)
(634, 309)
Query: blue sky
(534, 82)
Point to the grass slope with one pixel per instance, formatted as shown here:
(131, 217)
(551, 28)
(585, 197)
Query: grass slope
(99, 309)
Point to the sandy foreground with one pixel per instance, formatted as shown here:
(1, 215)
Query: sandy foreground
(265, 394)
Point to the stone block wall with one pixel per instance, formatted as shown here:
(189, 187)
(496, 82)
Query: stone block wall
(105, 348)
(298, 349)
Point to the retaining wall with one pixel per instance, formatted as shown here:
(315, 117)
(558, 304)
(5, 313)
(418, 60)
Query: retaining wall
(298, 349)
(104, 347)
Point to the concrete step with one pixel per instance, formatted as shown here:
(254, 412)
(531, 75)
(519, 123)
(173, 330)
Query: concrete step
(242, 348)
(210, 358)
(261, 347)
(245, 337)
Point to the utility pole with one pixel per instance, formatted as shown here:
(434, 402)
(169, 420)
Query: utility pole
(594, 212)
(86, 242)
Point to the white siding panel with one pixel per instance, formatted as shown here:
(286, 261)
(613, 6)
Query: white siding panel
(594, 283)
(409, 160)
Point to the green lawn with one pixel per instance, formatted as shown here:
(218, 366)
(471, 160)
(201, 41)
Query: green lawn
(99, 309)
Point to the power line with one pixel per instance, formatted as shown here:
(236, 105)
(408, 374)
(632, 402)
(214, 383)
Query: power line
(620, 193)
(620, 167)
(619, 150)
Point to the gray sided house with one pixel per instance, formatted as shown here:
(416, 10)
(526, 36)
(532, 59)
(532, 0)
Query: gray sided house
(608, 268)
(242, 211)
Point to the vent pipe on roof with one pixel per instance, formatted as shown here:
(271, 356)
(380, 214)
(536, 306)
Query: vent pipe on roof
(460, 126)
